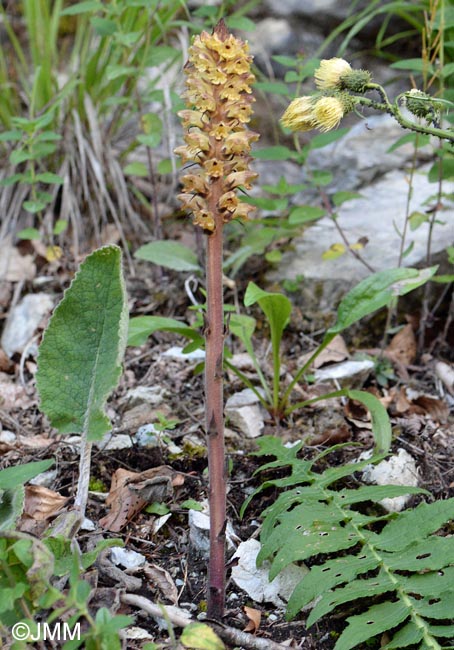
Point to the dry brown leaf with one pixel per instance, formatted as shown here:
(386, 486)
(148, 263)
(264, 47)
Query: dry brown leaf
(162, 580)
(336, 351)
(332, 436)
(13, 395)
(403, 347)
(435, 408)
(131, 491)
(6, 365)
(42, 503)
(254, 618)
(34, 442)
(15, 267)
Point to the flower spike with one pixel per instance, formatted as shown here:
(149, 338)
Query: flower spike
(218, 99)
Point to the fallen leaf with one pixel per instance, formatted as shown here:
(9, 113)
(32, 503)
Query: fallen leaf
(332, 436)
(254, 616)
(162, 580)
(131, 491)
(336, 351)
(199, 636)
(436, 408)
(403, 348)
(15, 267)
(41, 503)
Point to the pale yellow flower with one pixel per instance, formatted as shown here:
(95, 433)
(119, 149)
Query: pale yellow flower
(328, 112)
(299, 115)
(328, 75)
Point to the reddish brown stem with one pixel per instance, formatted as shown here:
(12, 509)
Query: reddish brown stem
(214, 400)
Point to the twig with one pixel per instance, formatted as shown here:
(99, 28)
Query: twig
(229, 634)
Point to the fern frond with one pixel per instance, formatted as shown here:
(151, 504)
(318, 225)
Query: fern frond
(394, 569)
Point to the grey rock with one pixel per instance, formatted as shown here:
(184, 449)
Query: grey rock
(23, 321)
(382, 205)
(317, 11)
(199, 533)
(361, 156)
(152, 395)
(245, 412)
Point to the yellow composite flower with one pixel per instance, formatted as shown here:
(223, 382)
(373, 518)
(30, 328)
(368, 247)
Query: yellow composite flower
(328, 112)
(299, 115)
(328, 75)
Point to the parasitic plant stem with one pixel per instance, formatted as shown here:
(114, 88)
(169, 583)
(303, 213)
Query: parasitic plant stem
(218, 96)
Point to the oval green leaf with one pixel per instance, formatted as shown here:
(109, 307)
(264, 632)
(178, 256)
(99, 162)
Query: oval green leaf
(170, 254)
(79, 362)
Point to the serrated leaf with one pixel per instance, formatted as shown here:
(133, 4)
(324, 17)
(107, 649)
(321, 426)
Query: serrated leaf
(170, 254)
(376, 292)
(199, 636)
(79, 362)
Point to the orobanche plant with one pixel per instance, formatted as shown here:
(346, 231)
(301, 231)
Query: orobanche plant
(218, 97)
(394, 571)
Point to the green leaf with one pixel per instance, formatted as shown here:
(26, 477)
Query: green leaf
(60, 226)
(376, 292)
(19, 156)
(170, 254)
(341, 197)
(10, 136)
(416, 219)
(11, 506)
(81, 8)
(141, 327)
(376, 620)
(156, 508)
(34, 206)
(192, 504)
(305, 213)
(115, 71)
(29, 233)
(381, 426)
(275, 205)
(199, 636)
(136, 169)
(49, 178)
(241, 22)
(321, 177)
(278, 152)
(418, 139)
(415, 65)
(286, 61)
(103, 26)
(275, 87)
(442, 169)
(322, 139)
(79, 362)
(275, 306)
(11, 477)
